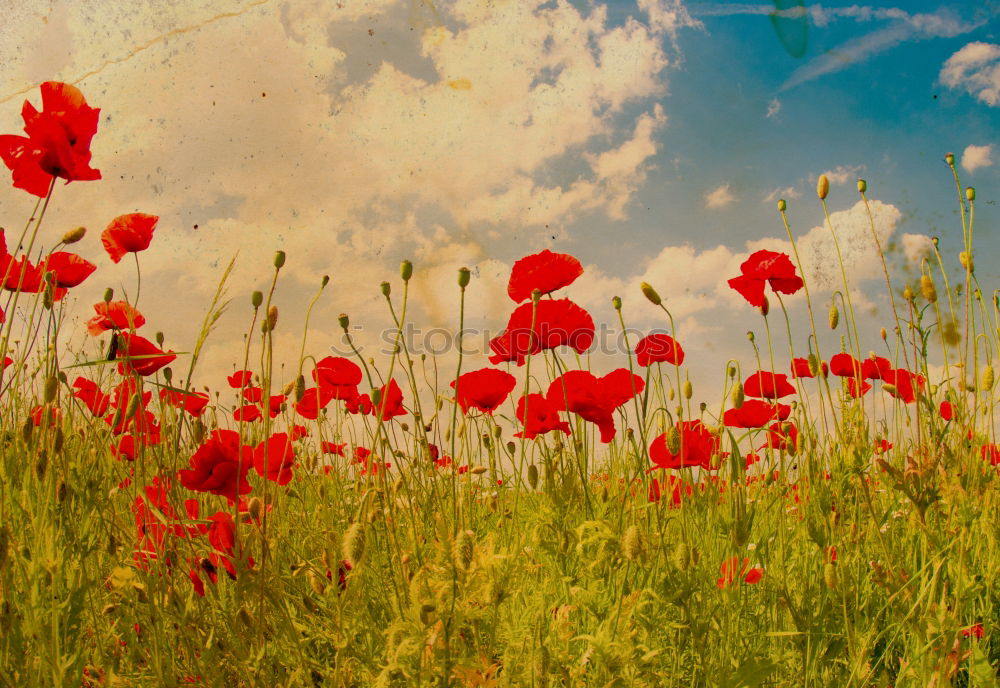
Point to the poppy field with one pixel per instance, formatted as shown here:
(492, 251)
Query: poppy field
(821, 517)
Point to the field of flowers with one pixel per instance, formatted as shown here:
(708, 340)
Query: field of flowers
(831, 518)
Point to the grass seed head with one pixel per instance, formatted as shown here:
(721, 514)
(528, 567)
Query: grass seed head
(632, 544)
(834, 316)
(928, 289)
(465, 545)
(354, 544)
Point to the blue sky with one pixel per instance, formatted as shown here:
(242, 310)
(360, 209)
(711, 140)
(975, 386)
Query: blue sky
(650, 138)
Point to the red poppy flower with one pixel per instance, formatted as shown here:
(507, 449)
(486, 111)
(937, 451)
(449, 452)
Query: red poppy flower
(390, 401)
(697, 447)
(733, 571)
(21, 275)
(192, 402)
(298, 432)
(275, 458)
(755, 414)
(770, 267)
(594, 399)
(557, 323)
(800, 368)
(332, 448)
(875, 368)
(140, 355)
(542, 417)
(338, 376)
(903, 384)
(128, 234)
(545, 271)
(124, 448)
(783, 437)
(116, 315)
(40, 413)
(220, 466)
(241, 378)
(314, 399)
(882, 446)
(58, 141)
(857, 389)
(90, 394)
(991, 453)
(974, 631)
(247, 414)
(845, 365)
(768, 385)
(222, 532)
(360, 404)
(947, 410)
(678, 489)
(483, 389)
(658, 348)
(68, 269)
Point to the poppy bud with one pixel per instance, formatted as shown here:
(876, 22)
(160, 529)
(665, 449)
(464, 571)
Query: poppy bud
(965, 258)
(386, 289)
(255, 507)
(497, 432)
(464, 549)
(109, 294)
(272, 317)
(928, 289)
(511, 447)
(731, 370)
(822, 187)
(133, 405)
(862, 186)
(58, 440)
(616, 302)
(673, 440)
(300, 388)
(650, 293)
(970, 193)
(159, 339)
(279, 259)
(533, 476)
(26, 431)
(782, 206)
(688, 389)
(42, 464)
(168, 374)
(632, 543)
(681, 556)
(765, 307)
(198, 431)
(950, 159)
(883, 334)
(889, 388)
(116, 419)
(738, 396)
(406, 270)
(256, 299)
(51, 389)
(325, 281)
(464, 276)
(536, 295)
(750, 336)
(834, 316)
(74, 235)
(354, 544)
(987, 381)
(344, 321)
(47, 300)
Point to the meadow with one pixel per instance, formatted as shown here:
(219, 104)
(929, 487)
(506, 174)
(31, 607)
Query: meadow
(829, 518)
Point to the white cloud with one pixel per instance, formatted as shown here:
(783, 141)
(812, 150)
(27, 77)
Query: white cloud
(719, 197)
(975, 68)
(785, 192)
(773, 108)
(974, 157)
(916, 247)
(844, 174)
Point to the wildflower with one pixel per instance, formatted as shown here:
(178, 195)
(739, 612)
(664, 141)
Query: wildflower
(658, 348)
(947, 410)
(556, 323)
(697, 447)
(765, 267)
(755, 413)
(128, 234)
(274, 458)
(90, 394)
(338, 376)
(219, 466)
(545, 271)
(732, 569)
(390, 401)
(114, 315)
(194, 403)
(768, 385)
(240, 378)
(542, 417)
(58, 141)
(141, 356)
(484, 389)
(592, 398)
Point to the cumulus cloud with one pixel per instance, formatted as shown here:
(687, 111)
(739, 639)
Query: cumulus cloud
(782, 192)
(843, 174)
(974, 157)
(773, 108)
(976, 69)
(719, 197)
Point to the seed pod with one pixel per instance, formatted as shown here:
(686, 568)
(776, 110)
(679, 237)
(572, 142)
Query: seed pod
(965, 258)
(511, 447)
(738, 397)
(533, 476)
(279, 259)
(970, 193)
(386, 288)
(464, 276)
(987, 378)
(834, 316)
(344, 321)
(464, 549)
(272, 318)
(325, 281)
(750, 336)
(862, 186)
(950, 159)
(256, 299)
(650, 293)
(198, 431)
(782, 206)
(632, 545)
(51, 389)
(41, 464)
(688, 389)
(255, 508)
(61, 491)
(300, 388)
(616, 302)
(674, 440)
(681, 556)
(109, 294)
(74, 235)
(731, 370)
(406, 270)
(168, 374)
(830, 576)
(354, 544)
(159, 338)
(133, 405)
(928, 289)
(822, 187)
